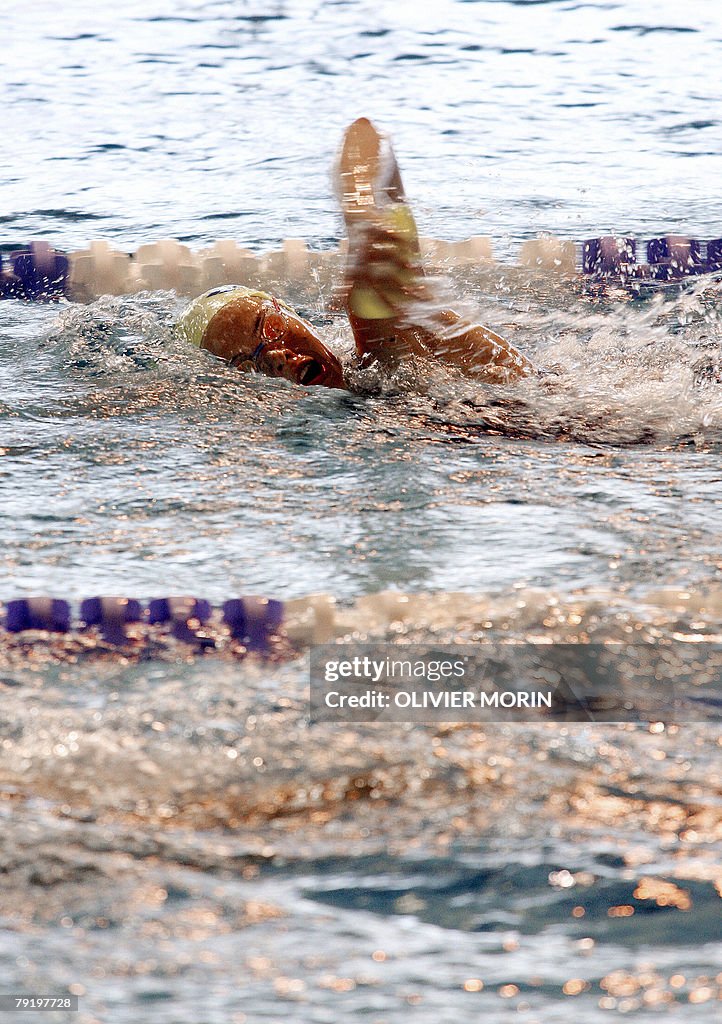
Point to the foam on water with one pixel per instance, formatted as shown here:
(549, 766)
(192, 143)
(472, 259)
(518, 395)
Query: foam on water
(176, 839)
(413, 476)
(613, 372)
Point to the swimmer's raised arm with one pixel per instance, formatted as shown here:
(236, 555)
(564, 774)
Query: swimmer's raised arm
(392, 307)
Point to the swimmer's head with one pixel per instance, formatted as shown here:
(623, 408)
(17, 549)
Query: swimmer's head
(256, 332)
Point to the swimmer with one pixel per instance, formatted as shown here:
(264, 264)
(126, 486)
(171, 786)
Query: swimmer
(394, 312)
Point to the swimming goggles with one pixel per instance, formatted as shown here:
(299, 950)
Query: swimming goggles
(268, 334)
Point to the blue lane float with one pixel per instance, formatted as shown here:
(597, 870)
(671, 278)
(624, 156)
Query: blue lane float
(185, 615)
(674, 256)
(46, 613)
(251, 620)
(609, 256)
(245, 624)
(111, 615)
(36, 273)
(714, 255)
(669, 258)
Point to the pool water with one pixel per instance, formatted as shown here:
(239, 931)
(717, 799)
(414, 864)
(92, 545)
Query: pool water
(178, 841)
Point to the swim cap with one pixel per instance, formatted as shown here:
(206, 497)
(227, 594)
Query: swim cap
(194, 320)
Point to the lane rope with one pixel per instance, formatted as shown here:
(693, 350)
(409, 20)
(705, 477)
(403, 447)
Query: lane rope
(40, 272)
(251, 623)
